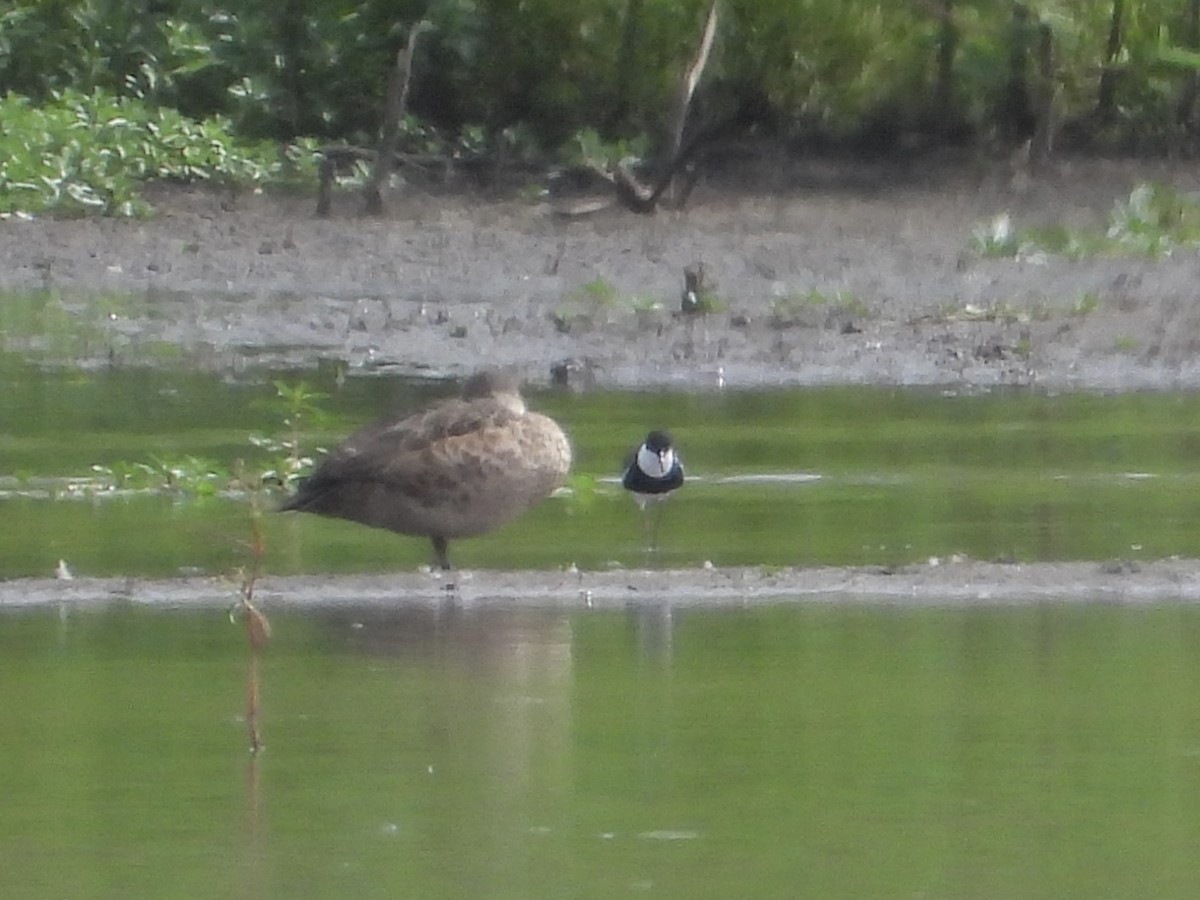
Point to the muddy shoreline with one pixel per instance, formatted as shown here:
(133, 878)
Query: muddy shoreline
(952, 585)
(828, 274)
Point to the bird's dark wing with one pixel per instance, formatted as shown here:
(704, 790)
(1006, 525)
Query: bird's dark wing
(387, 449)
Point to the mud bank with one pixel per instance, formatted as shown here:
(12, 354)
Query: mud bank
(828, 274)
(966, 584)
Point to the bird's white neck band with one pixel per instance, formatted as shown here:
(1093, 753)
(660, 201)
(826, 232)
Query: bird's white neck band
(654, 464)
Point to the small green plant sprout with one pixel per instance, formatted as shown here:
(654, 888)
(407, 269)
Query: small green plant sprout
(852, 303)
(998, 238)
(587, 305)
(126, 476)
(300, 411)
(1059, 239)
(797, 306)
(1125, 344)
(1088, 303)
(190, 475)
(599, 293)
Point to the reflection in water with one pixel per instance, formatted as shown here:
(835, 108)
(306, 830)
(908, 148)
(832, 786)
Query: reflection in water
(492, 712)
(1044, 751)
(255, 849)
(654, 625)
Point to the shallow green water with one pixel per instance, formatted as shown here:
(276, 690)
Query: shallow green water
(773, 752)
(1049, 751)
(877, 476)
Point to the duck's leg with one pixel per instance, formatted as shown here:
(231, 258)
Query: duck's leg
(441, 553)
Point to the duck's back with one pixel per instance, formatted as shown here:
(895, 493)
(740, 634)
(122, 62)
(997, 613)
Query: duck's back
(459, 469)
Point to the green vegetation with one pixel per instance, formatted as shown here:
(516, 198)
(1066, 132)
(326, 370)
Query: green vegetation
(708, 299)
(587, 149)
(78, 153)
(598, 292)
(1154, 221)
(272, 461)
(102, 94)
(793, 308)
(998, 239)
(1125, 344)
(598, 302)
(1086, 304)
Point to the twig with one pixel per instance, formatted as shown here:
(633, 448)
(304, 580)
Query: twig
(258, 630)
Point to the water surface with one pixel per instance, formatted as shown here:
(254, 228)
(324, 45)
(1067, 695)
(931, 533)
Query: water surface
(798, 477)
(786, 751)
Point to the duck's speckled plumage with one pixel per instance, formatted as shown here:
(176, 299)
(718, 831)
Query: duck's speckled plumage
(460, 468)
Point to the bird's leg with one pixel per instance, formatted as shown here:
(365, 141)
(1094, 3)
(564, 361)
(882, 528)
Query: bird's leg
(442, 557)
(656, 515)
(649, 511)
(643, 521)
(440, 554)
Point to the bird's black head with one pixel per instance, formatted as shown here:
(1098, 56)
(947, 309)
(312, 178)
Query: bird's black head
(658, 441)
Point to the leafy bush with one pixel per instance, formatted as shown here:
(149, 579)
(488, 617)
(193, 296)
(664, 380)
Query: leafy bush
(91, 153)
(1154, 221)
(1124, 74)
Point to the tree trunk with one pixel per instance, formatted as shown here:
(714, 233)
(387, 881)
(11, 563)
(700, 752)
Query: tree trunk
(291, 40)
(393, 112)
(626, 62)
(1018, 117)
(1106, 99)
(1185, 110)
(944, 86)
(1042, 142)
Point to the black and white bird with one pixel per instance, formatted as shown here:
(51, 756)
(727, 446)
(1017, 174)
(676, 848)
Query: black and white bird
(460, 468)
(653, 470)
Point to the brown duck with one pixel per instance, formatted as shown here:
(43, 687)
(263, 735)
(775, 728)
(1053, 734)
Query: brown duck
(460, 468)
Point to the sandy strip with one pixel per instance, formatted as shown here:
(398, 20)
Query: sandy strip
(950, 584)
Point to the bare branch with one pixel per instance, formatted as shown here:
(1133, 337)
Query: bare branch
(397, 100)
(687, 89)
(641, 198)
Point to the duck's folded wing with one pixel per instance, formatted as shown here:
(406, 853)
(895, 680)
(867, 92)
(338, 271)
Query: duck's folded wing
(420, 446)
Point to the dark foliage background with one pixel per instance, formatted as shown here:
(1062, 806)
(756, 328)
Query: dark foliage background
(1116, 72)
